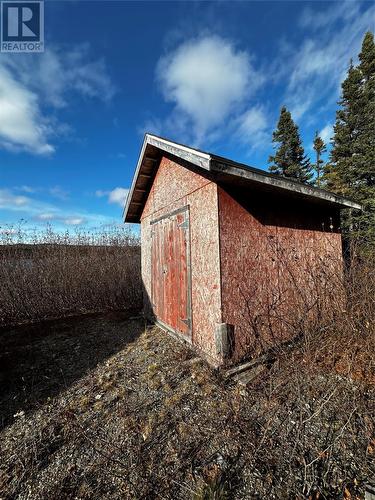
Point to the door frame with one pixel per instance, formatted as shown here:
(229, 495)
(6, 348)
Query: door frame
(186, 337)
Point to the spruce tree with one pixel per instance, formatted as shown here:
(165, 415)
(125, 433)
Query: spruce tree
(339, 175)
(289, 159)
(352, 169)
(319, 148)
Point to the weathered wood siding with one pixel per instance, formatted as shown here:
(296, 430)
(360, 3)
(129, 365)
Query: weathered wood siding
(254, 259)
(175, 187)
(272, 251)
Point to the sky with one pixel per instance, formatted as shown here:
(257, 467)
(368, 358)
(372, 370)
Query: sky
(213, 75)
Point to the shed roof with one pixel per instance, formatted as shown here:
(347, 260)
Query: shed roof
(221, 170)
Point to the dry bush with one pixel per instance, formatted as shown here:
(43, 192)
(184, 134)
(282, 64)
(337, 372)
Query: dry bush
(344, 338)
(51, 275)
(318, 424)
(328, 303)
(336, 322)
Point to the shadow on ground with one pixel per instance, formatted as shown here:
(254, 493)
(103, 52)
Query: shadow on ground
(39, 361)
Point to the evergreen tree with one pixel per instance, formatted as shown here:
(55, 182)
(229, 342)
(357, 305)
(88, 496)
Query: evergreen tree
(352, 169)
(319, 148)
(339, 175)
(289, 159)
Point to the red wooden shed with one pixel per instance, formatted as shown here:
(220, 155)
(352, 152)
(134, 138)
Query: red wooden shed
(227, 250)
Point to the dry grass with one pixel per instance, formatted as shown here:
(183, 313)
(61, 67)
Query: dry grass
(102, 407)
(52, 275)
(149, 422)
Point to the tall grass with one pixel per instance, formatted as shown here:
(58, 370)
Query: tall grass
(51, 275)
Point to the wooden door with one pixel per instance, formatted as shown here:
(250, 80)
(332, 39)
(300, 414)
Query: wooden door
(170, 269)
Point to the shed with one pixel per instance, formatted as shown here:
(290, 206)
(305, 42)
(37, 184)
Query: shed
(228, 251)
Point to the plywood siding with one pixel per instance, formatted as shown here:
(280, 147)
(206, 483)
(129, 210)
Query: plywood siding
(271, 253)
(172, 182)
(206, 293)
(176, 187)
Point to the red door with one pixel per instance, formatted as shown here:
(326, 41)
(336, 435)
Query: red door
(171, 271)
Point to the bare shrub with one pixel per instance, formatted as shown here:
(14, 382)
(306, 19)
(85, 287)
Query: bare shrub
(319, 390)
(49, 275)
(335, 317)
(318, 300)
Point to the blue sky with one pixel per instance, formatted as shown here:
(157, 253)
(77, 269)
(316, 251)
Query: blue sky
(211, 75)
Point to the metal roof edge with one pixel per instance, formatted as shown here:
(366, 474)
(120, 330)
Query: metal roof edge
(220, 164)
(194, 156)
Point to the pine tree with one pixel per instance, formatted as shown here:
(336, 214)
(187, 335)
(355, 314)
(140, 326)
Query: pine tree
(320, 148)
(339, 175)
(352, 169)
(289, 159)
(364, 144)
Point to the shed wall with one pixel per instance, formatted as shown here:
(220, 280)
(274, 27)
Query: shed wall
(271, 252)
(175, 187)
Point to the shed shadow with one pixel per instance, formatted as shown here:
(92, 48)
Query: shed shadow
(285, 211)
(39, 361)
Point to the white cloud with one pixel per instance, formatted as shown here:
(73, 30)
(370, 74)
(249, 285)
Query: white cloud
(13, 202)
(317, 18)
(56, 191)
(41, 211)
(59, 193)
(58, 73)
(29, 83)
(21, 123)
(118, 195)
(316, 69)
(206, 78)
(27, 189)
(10, 200)
(253, 128)
(45, 216)
(326, 133)
(74, 221)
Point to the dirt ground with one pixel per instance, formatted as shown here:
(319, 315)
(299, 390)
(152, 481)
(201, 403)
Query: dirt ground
(103, 407)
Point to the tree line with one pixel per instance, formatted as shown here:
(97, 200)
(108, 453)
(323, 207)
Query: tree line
(350, 169)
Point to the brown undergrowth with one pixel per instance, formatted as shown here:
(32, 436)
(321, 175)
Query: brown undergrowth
(48, 274)
(105, 407)
(147, 420)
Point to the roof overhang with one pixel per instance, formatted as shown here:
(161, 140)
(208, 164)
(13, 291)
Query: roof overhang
(221, 170)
